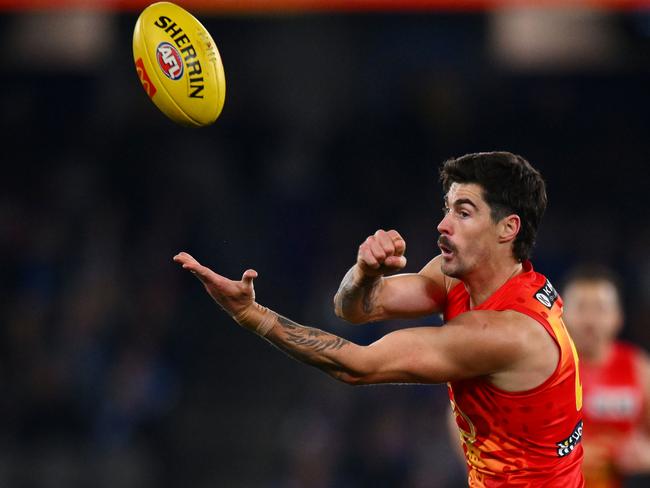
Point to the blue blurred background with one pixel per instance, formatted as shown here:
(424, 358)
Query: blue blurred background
(118, 370)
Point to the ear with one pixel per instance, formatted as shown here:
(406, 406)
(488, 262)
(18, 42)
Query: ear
(508, 228)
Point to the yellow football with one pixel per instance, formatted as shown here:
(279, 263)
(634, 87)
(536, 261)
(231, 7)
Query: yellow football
(179, 65)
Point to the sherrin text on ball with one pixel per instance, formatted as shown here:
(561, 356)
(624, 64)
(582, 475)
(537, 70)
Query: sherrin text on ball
(179, 65)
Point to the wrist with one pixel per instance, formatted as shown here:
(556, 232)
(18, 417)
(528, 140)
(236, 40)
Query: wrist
(256, 318)
(364, 278)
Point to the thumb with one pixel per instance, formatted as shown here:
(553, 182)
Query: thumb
(248, 277)
(395, 261)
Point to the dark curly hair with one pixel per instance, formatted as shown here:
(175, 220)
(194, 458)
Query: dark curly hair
(510, 186)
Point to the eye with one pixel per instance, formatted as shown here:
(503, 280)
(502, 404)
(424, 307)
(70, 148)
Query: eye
(463, 213)
(445, 210)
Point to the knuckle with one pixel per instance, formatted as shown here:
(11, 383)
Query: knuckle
(364, 253)
(369, 262)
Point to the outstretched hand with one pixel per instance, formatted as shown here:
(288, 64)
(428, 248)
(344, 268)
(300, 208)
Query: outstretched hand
(233, 296)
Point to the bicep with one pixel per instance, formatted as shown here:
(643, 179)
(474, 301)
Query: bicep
(409, 296)
(415, 294)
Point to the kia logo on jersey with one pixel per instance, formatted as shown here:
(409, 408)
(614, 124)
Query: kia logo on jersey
(547, 295)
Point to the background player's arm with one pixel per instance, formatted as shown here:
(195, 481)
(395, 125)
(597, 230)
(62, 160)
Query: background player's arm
(465, 348)
(634, 456)
(367, 295)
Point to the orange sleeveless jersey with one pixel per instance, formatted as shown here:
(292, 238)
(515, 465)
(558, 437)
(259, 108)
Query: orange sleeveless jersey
(613, 409)
(530, 438)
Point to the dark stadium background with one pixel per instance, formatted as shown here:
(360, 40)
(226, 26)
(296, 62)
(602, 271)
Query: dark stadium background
(118, 370)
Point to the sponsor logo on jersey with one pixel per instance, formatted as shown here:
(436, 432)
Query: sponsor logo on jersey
(547, 295)
(149, 87)
(169, 60)
(567, 446)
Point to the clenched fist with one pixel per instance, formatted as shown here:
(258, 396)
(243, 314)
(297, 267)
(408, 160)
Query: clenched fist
(381, 253)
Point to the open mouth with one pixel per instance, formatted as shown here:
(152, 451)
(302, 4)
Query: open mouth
(445, 246)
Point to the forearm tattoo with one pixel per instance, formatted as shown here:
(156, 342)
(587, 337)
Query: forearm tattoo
(312, 339)
(327, 352)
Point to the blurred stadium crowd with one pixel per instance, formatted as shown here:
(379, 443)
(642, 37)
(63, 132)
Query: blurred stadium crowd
(117, 370)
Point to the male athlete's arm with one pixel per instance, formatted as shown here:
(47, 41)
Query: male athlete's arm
(421, 355)
(367, 295)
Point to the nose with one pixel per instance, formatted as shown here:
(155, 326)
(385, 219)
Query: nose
(444, 227)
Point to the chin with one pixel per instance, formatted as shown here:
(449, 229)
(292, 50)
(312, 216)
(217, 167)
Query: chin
(452, 271)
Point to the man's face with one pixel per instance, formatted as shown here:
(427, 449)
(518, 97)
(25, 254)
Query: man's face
(468, 236)
(592, 314)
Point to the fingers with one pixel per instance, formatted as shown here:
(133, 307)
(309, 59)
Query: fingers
(398, 262)
(398, 242)
(366, 256)
(187, 261)
(377, 249)
(205, 274)
(383, 248)
(391, 242)
(248, 277)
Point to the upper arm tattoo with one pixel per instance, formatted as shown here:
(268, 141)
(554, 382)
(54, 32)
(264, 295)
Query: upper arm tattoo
(361, 297)
(369, 299)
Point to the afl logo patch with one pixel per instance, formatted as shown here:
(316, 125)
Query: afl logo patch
(169, 60)
(547, 295)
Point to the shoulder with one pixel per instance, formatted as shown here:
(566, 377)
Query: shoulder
(510, 333)
(432, 270)
(624, 353)
(640, 357)
(625, 348)
(521, 352)
(516, 325)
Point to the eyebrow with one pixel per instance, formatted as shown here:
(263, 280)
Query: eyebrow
(461, 201)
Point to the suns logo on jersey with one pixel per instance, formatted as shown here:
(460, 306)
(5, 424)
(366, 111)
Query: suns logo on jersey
(567, 446)
(169, 60)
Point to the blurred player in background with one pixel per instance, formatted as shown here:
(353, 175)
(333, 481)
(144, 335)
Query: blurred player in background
(615, 378)
(510, 365)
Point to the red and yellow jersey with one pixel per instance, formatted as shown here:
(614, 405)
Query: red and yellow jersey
(528, 438)
(613, 409)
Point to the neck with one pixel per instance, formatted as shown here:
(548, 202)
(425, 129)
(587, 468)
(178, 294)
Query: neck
(489, 278)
